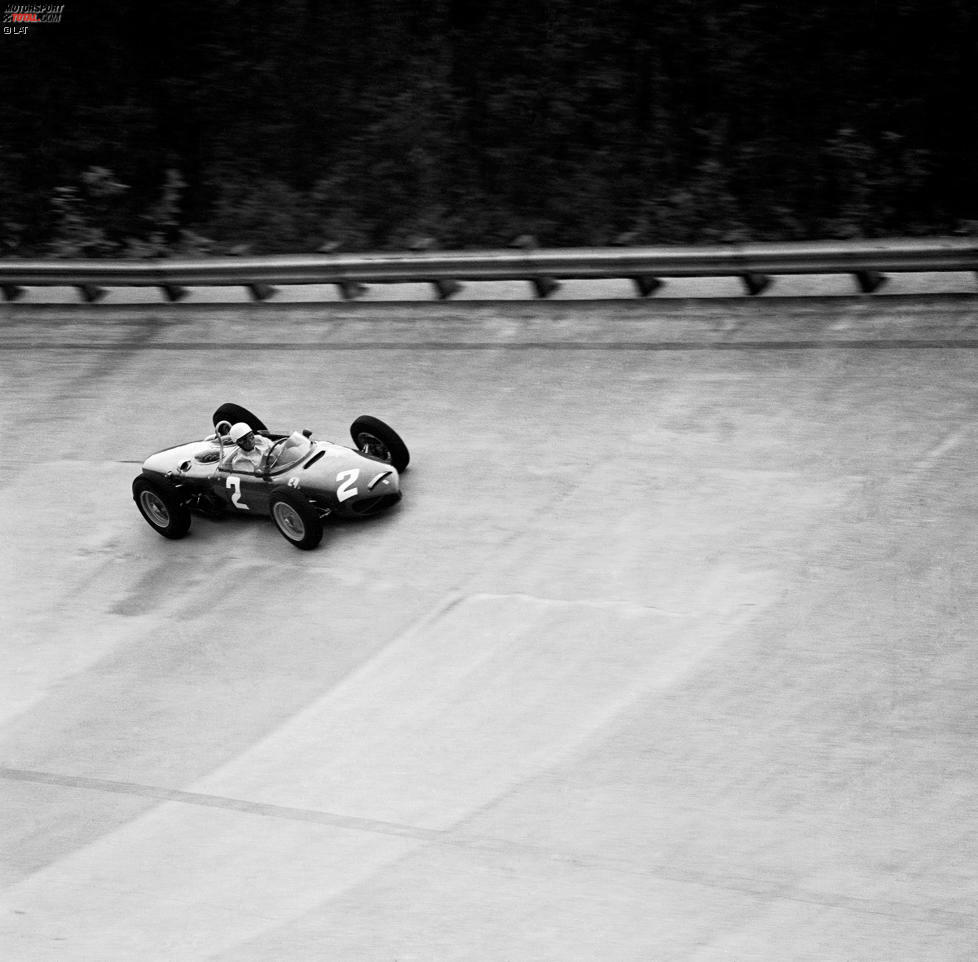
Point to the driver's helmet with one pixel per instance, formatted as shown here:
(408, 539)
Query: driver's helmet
(239, 431)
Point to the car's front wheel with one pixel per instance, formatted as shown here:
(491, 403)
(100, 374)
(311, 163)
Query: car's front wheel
(378, 440)
(161, 506)
(296, 519)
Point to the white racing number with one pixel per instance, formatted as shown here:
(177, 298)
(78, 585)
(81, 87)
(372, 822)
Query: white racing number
(234, 483)
(347, 489)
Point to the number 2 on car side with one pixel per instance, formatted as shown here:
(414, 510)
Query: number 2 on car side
(234, 484)
(346, 488)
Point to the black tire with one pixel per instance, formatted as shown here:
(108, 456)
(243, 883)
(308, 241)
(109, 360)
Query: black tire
(235, 413)
(378, 440)
(161, 506)
(296, 519)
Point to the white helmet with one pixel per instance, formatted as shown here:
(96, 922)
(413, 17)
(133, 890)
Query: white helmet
(239, 430)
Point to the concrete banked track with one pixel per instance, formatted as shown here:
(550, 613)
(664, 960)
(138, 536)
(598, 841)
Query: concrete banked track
(668, 653)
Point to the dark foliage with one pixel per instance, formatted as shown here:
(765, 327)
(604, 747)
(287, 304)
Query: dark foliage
(145, 129)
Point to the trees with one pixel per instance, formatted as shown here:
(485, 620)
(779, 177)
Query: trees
(364, 122)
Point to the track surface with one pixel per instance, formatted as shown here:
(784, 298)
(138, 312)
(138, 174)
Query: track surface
(667, 654)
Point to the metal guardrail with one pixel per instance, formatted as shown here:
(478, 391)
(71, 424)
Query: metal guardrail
(867, 261)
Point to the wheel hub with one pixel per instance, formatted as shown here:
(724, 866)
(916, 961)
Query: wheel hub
(372, 445)
(289, 521)
(155, 509)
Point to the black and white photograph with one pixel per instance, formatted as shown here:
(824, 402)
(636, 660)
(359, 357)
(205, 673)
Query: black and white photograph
(489, 481)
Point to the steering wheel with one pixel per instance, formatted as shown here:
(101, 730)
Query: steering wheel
(272, 455)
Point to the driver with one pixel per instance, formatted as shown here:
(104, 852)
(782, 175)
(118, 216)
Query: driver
(249, 450)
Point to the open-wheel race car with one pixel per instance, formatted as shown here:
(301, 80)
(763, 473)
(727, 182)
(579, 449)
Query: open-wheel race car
(296, 479)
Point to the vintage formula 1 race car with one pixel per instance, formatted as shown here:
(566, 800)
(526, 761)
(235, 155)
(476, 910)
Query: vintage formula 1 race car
(299, 481)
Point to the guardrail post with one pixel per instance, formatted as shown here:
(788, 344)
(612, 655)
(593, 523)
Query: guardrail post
(755, 283)
(646, 284)
(351, 290)
(544, 286)
(174, 292)
(261, 292)
(446, 289)
(91, 293)
(870, 281)
(12, 292)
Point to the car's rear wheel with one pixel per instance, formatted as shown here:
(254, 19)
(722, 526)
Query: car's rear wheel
(235, 413)
(161, 506)
(296, 519)
(378, 440)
